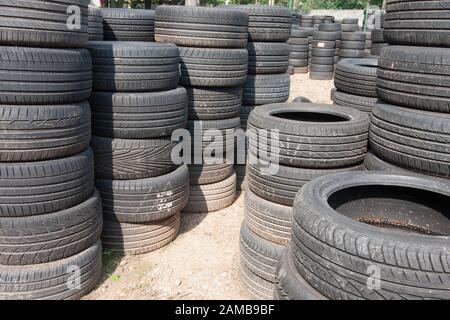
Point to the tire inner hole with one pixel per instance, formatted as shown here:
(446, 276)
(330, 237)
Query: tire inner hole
(310, 116)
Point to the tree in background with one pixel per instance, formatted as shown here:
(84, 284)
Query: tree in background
(338, 4)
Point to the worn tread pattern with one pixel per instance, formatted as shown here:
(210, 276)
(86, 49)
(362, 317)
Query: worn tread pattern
(266, 89)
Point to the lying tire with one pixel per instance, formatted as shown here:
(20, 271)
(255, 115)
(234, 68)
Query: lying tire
(201, 174)
(267, 219)
(373, 163)
(128, 24)
(415, 77)
(289, 284)
(310, 135)
(35, 188)
(357, 77)
(301, 99)
(264, 89)
(144, 200)
(266, 23)
(417, 24)
(364, 104)
(206, 67)
(125, 159)
(36, 23)
(282, 187)
(364, 240)
(138, 115)
(377, 36)
(201, 27)
(51, 237)
(258, 261)
(211, 197)
(134, 66)
(133, 239)
(43, 132)
(267, 57)
(414, 139)
(95, 24)
(351, 53)
(66, 279)
(245, 113)
(35, 76)
(214, 103)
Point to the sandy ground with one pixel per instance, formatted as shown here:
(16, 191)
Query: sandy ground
(202, 263)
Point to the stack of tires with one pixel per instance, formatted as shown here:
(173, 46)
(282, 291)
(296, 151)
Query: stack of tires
(378, 42)
(367, 236)
(368, 46)
(128, 24)
(136, 106)
(355, 82)
(50, 212)
(353, 45)
(410, 125)
(299, 49)
(317, 20)
(313, 140)
(307, 21)
(95, 24)
(324, 51)
(214, 64)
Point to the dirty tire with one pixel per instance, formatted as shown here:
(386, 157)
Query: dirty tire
(95, 24)
(373, 163)
(144, 200)
(321, 136)
(138, 115)
(411, 253)
(364, 104)
(357, 77)
(128, 24)
(413, 139)
(43, 132)
(44, 76)
(265, 89)
(127, 159)
(258, 259)
(268, 57)
(48, 281)
(201, 174)
(211, 197)
(267, 219)
(36, 23)
(201, 27)
(241, 178)
(205, 67)
(134, 239)
(35, 188)
(213, 103)
(245, 113)
(134, 66)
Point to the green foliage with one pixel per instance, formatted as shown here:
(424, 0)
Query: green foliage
(338, 4)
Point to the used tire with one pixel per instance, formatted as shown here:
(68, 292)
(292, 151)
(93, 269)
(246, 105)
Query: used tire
(144, 200)
(128, 24)
(357, 77)
(201, 174)
(364, 104)
(134, 66)
(268, 57)
(264, 89)
(95, 24)
(214, 103)
(241, 178)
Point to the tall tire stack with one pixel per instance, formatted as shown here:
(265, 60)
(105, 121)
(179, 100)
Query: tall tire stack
(314, 140)
(50, 212)
(95, 24)
(368, 46)
(353, 45)
(367, 236)
(128, 24)
(324, 51)
(317, 20)
(307, 21)
(378, 42)
(214, 64)
(299, 49)
(136, 105)
(355, 82)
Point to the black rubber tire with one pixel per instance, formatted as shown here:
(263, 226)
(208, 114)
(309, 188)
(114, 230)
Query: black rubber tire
(127, 159)
(241, 178)
(52, 281)
(95, 23)
(144, 200)
(192, 26)
(409, 250)
(364, 104)
(321, 44)
(299, 41)
(268, 57)
(43, 132)
(266, 23)
(357, 77)
(322, 60)
(299, 48)
(265, 89)
(51, 237)
(128, 24)
(244, 114)
(298, 63)
(259, 257)
(138, 115)
(330, 27)
(350, 53)
(319, 141)
(34, 188)
(211, 197)
(134, 239)
(214, 103)
(348, 28)
(324, 36)
(373, 163)
(201, 174)
(377, 48)
(134, 66)
(417, 24)
(415, 77)
(36, 23)
(267, 219)
(283, 186)
(44, 76)
(299, 55)
(301, 99)
(289, 284)
(325, 68)
(205, 67)
(316, 52)
(353, 36)
(354, 45)
(377, 36)
(317, 75)
(298, 33)
(413, 139)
